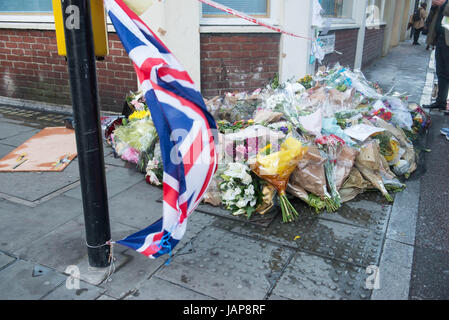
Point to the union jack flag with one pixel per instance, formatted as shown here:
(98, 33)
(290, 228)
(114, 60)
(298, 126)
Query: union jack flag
(184, 126)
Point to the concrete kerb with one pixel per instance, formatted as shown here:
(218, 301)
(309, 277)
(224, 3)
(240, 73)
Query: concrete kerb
(395, 266)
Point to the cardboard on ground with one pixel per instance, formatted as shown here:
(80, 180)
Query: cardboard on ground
(51, 149)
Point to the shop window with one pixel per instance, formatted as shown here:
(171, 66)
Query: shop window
(251, 7)
(337, 8)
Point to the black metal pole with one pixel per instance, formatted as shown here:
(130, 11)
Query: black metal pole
(86, 114)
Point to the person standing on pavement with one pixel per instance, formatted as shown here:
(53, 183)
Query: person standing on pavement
(439, 37)
(428, 22)
(418, 20)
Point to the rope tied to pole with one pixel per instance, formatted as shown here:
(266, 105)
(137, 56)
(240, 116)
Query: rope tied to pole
(111, 258)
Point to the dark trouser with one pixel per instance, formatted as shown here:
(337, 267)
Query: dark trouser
(416, 35)
(442, 66)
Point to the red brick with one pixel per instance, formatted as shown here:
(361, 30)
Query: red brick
(122, 60)
(15, 39)
(114, 66)
(17, 52)
(240, 54)
(11, 45)
(220, 54)
(46, 67)
(211, 47)
(122, 75)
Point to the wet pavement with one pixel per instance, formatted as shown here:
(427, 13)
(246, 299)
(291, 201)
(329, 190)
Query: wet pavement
(328, 256)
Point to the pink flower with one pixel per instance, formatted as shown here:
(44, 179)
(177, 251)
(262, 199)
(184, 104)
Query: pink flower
(131, 155)
(240, 149)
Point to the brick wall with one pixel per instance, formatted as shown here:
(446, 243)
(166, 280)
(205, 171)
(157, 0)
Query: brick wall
(372, 47)
(237, 62)
(31, 69)
(346, 43)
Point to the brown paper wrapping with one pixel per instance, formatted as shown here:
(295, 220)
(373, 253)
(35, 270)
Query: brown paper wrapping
(268, 192)
(369, 163)
(267, 116)
(298, 192)
(309, 173)
(345, 162)
(354, 185)
(213, 194)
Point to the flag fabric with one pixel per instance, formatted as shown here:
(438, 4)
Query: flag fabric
(184, 126)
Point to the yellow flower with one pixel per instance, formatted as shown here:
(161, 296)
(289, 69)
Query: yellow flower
(139, 114)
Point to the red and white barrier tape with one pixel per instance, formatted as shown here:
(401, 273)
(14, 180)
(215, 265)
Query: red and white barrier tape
(249, 18)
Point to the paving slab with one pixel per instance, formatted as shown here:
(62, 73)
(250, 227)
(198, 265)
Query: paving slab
(344, 242)
(5, 260)
(85, 291)
(32, 186)
(399, 74)
(394, 271)
(18, 282)
(66, 246)
(8, 129)
(5, 149)
(256, 219)
(20, 138)
(309, 277)
(137, 205)
(105, 297)
(117, 181)
(113, 161)
(158, 289)
(137, 269)
(227, 266)
(21, 225)
(275, 297)
(368, 210)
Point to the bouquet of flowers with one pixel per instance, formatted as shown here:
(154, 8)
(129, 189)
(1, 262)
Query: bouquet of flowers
(307, 81)
(241, 192)
(136, 101)
(225, 126)
(329, 146)
(276, 168)
(134, 136)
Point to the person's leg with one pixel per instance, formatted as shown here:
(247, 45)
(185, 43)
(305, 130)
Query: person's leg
(416, 38)
(442, 68)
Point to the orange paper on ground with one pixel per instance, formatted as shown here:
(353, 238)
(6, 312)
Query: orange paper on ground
(43, 152)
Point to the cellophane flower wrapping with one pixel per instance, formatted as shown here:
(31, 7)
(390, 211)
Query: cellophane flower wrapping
(329, 148)
(276, 168)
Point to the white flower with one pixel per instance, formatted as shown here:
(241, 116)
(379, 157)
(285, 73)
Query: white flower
(274, 100)
(152, 164)
(242, 203)
(239, 212)
(231, 194)
(247, 179)
(250, 190)
(238, 170)
(153, 178)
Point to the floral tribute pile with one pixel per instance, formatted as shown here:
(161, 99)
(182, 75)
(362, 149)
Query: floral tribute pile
(323, 139)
